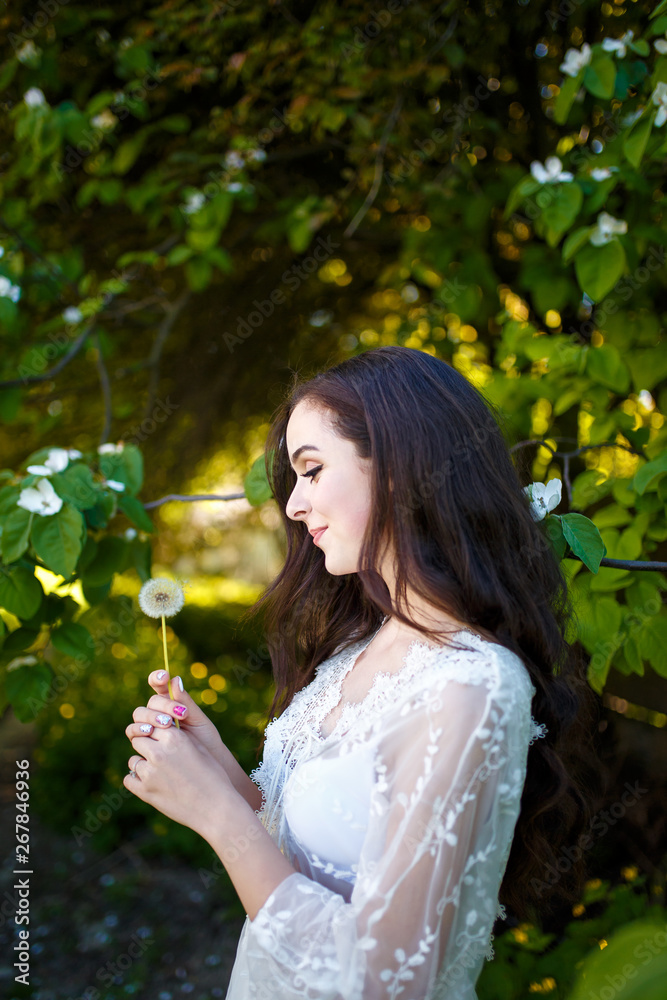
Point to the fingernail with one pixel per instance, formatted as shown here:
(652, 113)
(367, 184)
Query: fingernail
(180, 710)
(164, 720)
(180, 683)
(146, 728)
(161, 674)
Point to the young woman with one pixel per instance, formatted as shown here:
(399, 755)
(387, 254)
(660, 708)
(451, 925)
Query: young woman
(420, 774)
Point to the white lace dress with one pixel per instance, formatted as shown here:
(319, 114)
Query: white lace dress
(399, 824)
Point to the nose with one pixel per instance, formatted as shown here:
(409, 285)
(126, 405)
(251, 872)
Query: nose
(298, 506)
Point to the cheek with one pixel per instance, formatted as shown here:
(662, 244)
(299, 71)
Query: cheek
(347, 509)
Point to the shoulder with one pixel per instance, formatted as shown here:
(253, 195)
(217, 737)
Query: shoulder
(473, 662)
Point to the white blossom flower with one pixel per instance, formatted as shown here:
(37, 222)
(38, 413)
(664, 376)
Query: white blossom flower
(233, 160)
(161, 597)
(74, 453)
(606, 228)
(551, 172)
(603, 173)
(193, 203)
(661, 45)
(20, 661)
(110, 449)
(576, 60)
(259, 155)
(41, 499)
(543, 498)
(57, 461)
(28, 52)
(617, 45)
(659, 98)
(8, 290)
(627, 121)
(105, 120)
(235, 186)
(34, 97)
(130, 534)
(113, 484)
(72, 315)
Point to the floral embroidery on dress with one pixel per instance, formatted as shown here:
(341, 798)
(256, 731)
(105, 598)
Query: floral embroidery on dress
(403, 904)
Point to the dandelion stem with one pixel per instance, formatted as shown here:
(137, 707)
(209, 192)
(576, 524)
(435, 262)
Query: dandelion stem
(166, 664)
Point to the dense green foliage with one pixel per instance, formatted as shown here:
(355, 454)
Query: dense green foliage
(475, 188)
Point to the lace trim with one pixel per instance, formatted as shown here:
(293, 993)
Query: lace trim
(537, 731)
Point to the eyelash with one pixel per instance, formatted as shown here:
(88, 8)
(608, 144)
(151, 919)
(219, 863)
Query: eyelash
(312, 472)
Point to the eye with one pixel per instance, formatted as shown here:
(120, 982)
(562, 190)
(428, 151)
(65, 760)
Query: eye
(312, 472)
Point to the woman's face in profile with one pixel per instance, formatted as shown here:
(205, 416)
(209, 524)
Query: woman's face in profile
(332, 488)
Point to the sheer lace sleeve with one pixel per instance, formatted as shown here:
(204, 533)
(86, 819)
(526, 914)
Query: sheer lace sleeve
(449, 771)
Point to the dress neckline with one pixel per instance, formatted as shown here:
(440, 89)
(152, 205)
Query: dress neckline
(349, 665)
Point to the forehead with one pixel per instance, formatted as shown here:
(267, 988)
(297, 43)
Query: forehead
(308, 424)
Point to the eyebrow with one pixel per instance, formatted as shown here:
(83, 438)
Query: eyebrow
(304, 447)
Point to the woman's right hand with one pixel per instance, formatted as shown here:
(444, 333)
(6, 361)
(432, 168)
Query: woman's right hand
(195, 721)
(162, 710)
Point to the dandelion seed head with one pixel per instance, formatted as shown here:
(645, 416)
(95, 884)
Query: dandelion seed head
(161, 597)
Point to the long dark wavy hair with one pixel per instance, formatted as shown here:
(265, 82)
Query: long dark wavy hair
(445, 491)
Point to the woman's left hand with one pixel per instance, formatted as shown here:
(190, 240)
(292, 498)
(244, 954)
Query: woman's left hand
(177, 775)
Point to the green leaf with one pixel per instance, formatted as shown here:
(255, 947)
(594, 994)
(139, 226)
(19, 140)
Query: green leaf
(202, 239)
(77, 487)
(126, 466)
(576, 241)
(100, 515)
(19, 639)
(566, 96)
(95, 595)
(605, 365)
(633, 656)
(8, 497)
(110, 558)
(179, 255)
(554, 531)
(653, 643)
(132, 466)
(524, 189)
(58, 539)
(127, 153)
(136, 512)
(15, 534)
(141, 555)
(198, 273)
(562, 210)
(600, 76)
(634, 143)
(73, 639)
(599, 268)
(584, 539)
(27, 688)
(175, 123)
(648, 473)
(611, 516)
(256, 485)
(20, 591)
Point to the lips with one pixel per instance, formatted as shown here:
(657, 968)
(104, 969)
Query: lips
(317, 534)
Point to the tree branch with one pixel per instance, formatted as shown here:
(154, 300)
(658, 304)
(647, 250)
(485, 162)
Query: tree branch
(58, 367)
(106, 389)
(379, 161)
(153, 363)
(201, 496)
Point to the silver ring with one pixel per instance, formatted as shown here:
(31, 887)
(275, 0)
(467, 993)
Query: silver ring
(133, 774)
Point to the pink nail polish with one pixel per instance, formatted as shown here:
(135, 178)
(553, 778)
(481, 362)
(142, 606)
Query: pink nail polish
(180, 710)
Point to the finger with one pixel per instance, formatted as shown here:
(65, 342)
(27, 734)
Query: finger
(159, 681)
(159, 703)
(139, 729)
(157, 719)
